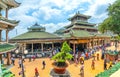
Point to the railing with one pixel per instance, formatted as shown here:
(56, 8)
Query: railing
(2, 42)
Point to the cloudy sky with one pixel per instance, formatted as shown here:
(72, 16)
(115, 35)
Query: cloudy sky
(53, 14)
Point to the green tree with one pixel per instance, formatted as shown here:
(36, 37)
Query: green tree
(112, 23)
(63, 55)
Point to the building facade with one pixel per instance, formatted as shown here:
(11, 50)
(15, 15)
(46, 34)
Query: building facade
(7, 25)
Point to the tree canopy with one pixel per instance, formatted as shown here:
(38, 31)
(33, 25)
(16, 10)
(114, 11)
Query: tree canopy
(112, 23)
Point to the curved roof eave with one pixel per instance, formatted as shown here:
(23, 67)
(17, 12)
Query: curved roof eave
(12, 3)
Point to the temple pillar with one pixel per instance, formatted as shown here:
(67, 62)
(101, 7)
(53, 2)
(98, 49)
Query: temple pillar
(92, 43)
(98, 42)
(74, 49)
(7, 31)
(8, 58)
(52, 48)
(6, 13)
(42, 47)
(1, 56)
(24, 46)
(52, 45)
(0, 35)
(86, 45)
(32, 48)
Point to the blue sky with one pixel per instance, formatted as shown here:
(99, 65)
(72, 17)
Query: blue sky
(53, 14)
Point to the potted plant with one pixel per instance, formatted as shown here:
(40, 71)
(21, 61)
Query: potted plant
(60, 59)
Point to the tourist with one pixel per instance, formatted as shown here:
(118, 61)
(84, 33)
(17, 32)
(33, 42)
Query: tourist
(86, 55)
(105, 64)
(13, 60)
(43, 63)
(81, 60)
(20, 62)
(93, 64)
(33, 57)
(93, 55)
(110, 64)
(97, 56)
(36, 72)
(2, 61)
(22, 71)
(82, 70)
(102, 57)
(30, 59)
(23, 58)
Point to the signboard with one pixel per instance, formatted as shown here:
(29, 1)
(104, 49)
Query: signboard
(79, 41)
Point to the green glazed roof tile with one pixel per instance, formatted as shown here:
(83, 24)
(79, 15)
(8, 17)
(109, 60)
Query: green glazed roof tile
(6, 47)
(35, 35)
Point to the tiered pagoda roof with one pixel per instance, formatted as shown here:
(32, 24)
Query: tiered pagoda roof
(80, 28)
(77, 34)
(6, 48)
(80, 15)
(9, 3)
(6, 23)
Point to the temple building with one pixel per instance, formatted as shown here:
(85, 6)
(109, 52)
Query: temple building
(37, 40)
(79, 34)
(6, 25)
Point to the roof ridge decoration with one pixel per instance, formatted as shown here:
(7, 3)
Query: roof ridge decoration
(36, 27)
(36, 24)
(79, 14)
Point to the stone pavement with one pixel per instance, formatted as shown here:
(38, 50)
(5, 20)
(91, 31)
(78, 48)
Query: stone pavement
(73, 68)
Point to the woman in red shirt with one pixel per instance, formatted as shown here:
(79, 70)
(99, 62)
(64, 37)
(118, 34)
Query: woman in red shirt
(36, 72)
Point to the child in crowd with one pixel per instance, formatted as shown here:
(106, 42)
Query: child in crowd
(93, 64)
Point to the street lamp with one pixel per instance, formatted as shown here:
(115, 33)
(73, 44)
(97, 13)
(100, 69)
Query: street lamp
(16, 51)
(23, 74)
(24, 52)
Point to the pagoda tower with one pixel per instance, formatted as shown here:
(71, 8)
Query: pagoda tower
(5, 23)
(81, 34)
(80, 22)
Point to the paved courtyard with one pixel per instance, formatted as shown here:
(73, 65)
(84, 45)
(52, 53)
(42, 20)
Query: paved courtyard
(73, 68)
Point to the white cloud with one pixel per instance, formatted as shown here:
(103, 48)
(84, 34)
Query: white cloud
(51, 27)
(31, 11)
(95, 4)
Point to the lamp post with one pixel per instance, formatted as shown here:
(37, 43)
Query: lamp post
(23, 74)
(25, 52)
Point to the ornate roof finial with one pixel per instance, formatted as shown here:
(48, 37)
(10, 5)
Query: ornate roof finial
(36, 24)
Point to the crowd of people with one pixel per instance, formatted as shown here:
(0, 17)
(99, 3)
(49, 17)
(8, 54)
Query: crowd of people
(79, 57)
